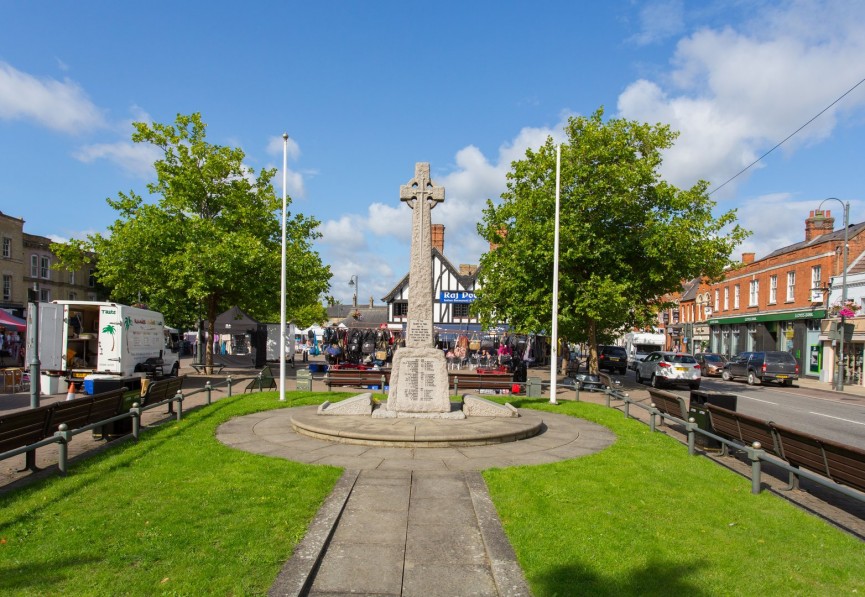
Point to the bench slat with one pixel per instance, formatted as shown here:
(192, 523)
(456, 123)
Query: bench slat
(23, 427)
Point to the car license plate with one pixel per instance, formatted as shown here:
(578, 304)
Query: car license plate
(781, 376)
(681, 368)
(614, 358)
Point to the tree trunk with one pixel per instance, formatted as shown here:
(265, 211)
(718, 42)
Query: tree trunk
(211, 327)
(592, 363)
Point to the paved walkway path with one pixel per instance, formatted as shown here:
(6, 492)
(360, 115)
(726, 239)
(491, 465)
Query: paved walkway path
(408, 521)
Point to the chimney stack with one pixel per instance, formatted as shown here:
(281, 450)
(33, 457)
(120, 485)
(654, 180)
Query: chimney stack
(437, 231)
(820, 222)
(747, 258)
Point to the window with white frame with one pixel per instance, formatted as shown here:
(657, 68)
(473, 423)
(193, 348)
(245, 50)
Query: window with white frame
(45, 268)
(754, 293)
(45, 295)
(34, 266)
(736, 296)
(72, 277)
(7, 247)
(726, 298)
(773, 289)
(816, 276)
(91, 278)
(791, 286)
(7, 287)
(716, 301)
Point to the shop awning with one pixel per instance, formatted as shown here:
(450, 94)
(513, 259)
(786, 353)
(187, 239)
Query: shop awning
(10, 322)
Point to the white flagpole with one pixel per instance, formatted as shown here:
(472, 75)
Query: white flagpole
(554, 352)
(282, 273)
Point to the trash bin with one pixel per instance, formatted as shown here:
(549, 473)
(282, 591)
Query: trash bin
(697, 410)
(304, 380)
(533, 387)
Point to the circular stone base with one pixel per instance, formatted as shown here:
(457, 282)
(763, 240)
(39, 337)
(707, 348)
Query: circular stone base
(417, 433)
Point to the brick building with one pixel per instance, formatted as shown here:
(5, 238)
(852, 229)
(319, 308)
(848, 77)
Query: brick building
(779, 302)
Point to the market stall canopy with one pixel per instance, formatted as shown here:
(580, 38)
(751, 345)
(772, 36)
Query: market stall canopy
(10, 322)
(235, 321)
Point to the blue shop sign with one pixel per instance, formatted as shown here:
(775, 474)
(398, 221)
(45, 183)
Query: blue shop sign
(457, 297)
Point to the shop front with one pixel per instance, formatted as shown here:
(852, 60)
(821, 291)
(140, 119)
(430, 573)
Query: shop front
(796, 332)
(854, 351)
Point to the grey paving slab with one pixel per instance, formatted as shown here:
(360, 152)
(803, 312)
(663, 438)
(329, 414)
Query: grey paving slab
(359, 569)
(447, 581)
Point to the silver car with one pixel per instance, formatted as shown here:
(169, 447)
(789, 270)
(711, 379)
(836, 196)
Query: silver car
(660, 368)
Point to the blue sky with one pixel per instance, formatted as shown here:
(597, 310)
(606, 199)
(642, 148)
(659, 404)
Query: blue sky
(365, 90)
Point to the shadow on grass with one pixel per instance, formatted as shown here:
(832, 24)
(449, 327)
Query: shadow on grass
(656, 578)
(15, 579)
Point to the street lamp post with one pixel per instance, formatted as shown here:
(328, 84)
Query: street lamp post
(839, 379)
(353, 282)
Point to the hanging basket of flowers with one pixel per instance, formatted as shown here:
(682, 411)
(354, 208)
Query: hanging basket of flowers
(847, 310)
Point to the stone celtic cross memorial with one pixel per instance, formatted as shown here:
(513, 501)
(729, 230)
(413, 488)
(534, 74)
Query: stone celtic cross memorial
(419, 376)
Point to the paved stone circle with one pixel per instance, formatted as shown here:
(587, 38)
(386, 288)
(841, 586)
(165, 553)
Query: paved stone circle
(559, 437)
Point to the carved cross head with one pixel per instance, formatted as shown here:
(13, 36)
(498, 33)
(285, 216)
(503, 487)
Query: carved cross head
(421, 187)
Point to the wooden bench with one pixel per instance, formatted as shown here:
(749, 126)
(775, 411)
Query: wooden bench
(842, 464)
(23, 427)
(356, 378)
(86, 410)
(669, 403)
(214, 368)
(743, 429)
(160, 390)
(460, 381)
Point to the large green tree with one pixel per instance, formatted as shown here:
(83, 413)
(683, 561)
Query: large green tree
(627, 237)
(212, 240)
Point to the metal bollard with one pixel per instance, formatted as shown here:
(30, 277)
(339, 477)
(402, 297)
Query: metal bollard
(652, 414)
(179, 398)
(208, 390)
(691, 435)
(382, 382)
(228, 379)
(63, 447)
(260, 384)
(756, 470)
(627, 409)
(607, 397)
(456, 385)
(576, 391)
(135, 413)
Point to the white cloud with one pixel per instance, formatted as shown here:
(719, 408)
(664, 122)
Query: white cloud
(734, 94)
(275, 147)
(135, 158)
(365, 244)
(61, 106)
(659, 21)
(294, 180)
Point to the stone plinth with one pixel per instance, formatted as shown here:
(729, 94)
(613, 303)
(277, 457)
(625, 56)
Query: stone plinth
(418, 383)
(356, 405)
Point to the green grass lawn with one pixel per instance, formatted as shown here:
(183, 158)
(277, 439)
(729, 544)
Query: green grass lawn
(178, 513)
(644, 518)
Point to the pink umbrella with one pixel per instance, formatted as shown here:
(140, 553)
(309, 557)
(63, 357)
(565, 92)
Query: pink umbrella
(9, 321)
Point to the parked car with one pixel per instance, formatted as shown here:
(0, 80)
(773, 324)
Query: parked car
(711, 363)
(612, 358)
(664, 367)
(760, 367)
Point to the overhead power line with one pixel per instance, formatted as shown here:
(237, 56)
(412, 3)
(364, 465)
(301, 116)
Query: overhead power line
(791, 135)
